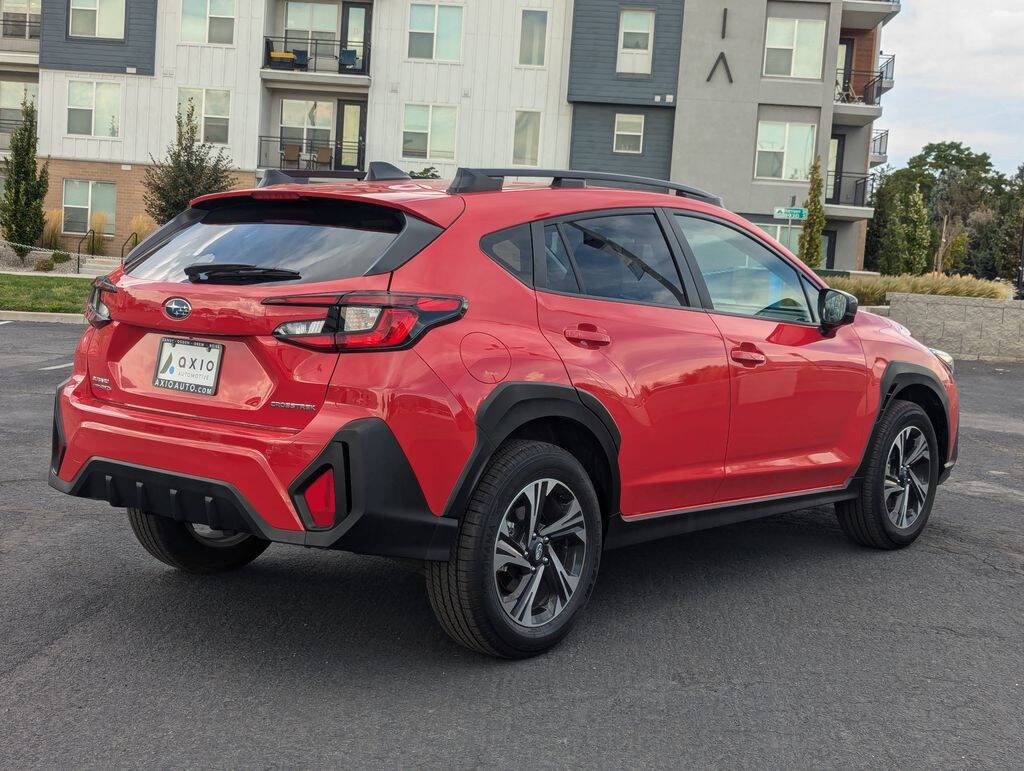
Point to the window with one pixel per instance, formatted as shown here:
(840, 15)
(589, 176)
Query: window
(636, 42)
(526, 144)
(208, 21)
(624, 257)
(21, 18)
(787, 235)
(429, 132)
(561, 277)
(89, 205)
(307, 122)
(213, 109)
(785, 150)
(435, 32)
(97, 18)
(12, 94)
(794, 48)
(629, 134)
(308, 22)
(741, 275)
(513, 250)
(94, 109)
(532, 38)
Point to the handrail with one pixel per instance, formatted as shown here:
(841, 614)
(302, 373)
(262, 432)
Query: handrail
(305, 54)
(880, 142)
(851, 190)
(26, 29)
(858, 87)
(277, 152)
(136, 237)
(78, 249)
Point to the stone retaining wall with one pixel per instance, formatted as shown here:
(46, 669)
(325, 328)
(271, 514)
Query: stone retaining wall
(967, 327)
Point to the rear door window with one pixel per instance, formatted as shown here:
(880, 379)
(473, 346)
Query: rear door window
(624, 257)
(321, 240)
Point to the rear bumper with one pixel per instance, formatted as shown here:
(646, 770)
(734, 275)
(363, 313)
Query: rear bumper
(381, 508)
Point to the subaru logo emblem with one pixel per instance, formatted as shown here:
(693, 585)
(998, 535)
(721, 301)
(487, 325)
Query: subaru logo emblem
(177, 308)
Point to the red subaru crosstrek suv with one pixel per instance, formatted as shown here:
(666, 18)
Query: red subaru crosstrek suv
(501, 380)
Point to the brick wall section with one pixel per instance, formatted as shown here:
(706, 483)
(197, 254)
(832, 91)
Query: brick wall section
(967, 327)
(130, 194)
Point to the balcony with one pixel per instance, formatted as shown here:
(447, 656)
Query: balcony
(277, 152)
(848, 196)
(887, 69)
(858, 98)
(868, 14)
(19, 39)
(880, 148)
(293, 59)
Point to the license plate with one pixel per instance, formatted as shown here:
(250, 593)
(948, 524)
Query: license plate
(188, 366)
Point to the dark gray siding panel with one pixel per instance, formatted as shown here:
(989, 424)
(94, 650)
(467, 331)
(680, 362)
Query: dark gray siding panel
(59, 51)
(595, 45)
(593, 128)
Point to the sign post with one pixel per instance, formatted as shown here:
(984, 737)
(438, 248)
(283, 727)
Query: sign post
(790, 213)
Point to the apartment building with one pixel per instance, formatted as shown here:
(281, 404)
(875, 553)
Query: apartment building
(734, 97)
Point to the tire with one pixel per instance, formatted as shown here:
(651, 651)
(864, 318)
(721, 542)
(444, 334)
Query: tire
(179, 545)
(467, 592)
(867, 519)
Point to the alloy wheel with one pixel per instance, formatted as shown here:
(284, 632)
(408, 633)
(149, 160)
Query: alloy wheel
(218, 538)
(907, 477)
(539, 552)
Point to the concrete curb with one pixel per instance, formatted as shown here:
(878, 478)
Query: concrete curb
(46, 275)
(58, 318)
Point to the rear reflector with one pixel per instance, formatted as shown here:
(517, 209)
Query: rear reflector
(319, 497)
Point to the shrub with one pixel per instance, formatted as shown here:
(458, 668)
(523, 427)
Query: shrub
(871, 290)
(44, 265)
(59, 258)
(428, 173)
(51, 230)
(98, 226)
(143, 225)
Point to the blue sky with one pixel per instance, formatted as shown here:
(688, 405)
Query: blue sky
(959, 77)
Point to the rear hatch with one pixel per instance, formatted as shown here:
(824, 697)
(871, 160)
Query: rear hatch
(192, 331)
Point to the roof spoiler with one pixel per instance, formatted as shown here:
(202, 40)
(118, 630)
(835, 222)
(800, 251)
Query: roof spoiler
(469, 180)
(378, 171)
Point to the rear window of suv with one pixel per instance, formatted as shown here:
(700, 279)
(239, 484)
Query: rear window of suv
(319, 240)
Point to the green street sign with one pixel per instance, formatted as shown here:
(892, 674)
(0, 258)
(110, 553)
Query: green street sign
(790, 213)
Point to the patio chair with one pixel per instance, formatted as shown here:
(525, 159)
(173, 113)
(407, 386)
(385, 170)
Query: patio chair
(322, 158)
(301, 58)
(290, 154)
(347, 59)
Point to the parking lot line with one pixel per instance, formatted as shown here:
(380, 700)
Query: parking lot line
(4, 322)
(57, 366)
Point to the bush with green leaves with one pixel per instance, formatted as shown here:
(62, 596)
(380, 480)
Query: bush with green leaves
(429, 172)
(43, 265)
(25, 186)
(59, 258)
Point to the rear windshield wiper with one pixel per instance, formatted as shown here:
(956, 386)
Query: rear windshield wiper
(232, 273)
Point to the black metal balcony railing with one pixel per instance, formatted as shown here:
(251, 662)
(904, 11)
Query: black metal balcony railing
(887, 67)
(17, 26)
(859, 87)
(880, 142)
(849, 189)
(293, 52)
(276, 152)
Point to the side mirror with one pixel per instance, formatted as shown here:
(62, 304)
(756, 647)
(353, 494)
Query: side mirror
(836, 308)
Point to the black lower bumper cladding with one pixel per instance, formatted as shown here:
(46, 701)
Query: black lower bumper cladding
(384, 511)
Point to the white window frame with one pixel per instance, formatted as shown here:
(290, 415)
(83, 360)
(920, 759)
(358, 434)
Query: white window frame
(28, 89)
(796, 37)
(203, 115)
(630, 61)
(88, 218)
(519, 41)
(540, 134)
(617, 133)
(95, 34)
(306, 126)
(206, 40)
(92, 128)
(430, 131)
(33, 8)
(785, 149)
(774, 229)
(433, 45)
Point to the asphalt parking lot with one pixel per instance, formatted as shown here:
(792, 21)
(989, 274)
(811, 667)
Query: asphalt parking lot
(770, 644)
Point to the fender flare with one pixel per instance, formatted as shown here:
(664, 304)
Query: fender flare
(513, 405)
(898, 376)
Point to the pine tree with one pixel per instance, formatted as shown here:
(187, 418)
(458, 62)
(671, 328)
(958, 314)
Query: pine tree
(892, 254)
(814, 226)
(918, 232)
(191, 168)
(21, 207)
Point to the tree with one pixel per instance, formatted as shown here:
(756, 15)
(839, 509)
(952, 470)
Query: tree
(918, 231)
(894, 240)
(954, 196)
(814, 225)
(191, 168)
(21, 207)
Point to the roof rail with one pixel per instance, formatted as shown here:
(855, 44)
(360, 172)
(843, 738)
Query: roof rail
(303, 176)
(469, 180)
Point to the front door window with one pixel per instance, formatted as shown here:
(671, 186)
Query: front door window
(351, 128)
(355, 25)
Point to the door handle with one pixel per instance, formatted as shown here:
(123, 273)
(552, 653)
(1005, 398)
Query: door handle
(748, 356)
(587, 336)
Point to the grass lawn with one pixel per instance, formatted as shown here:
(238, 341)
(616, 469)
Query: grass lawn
(55, 294)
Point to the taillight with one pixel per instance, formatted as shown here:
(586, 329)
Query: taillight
(320, 499)
(367, 321)
(96, 311)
